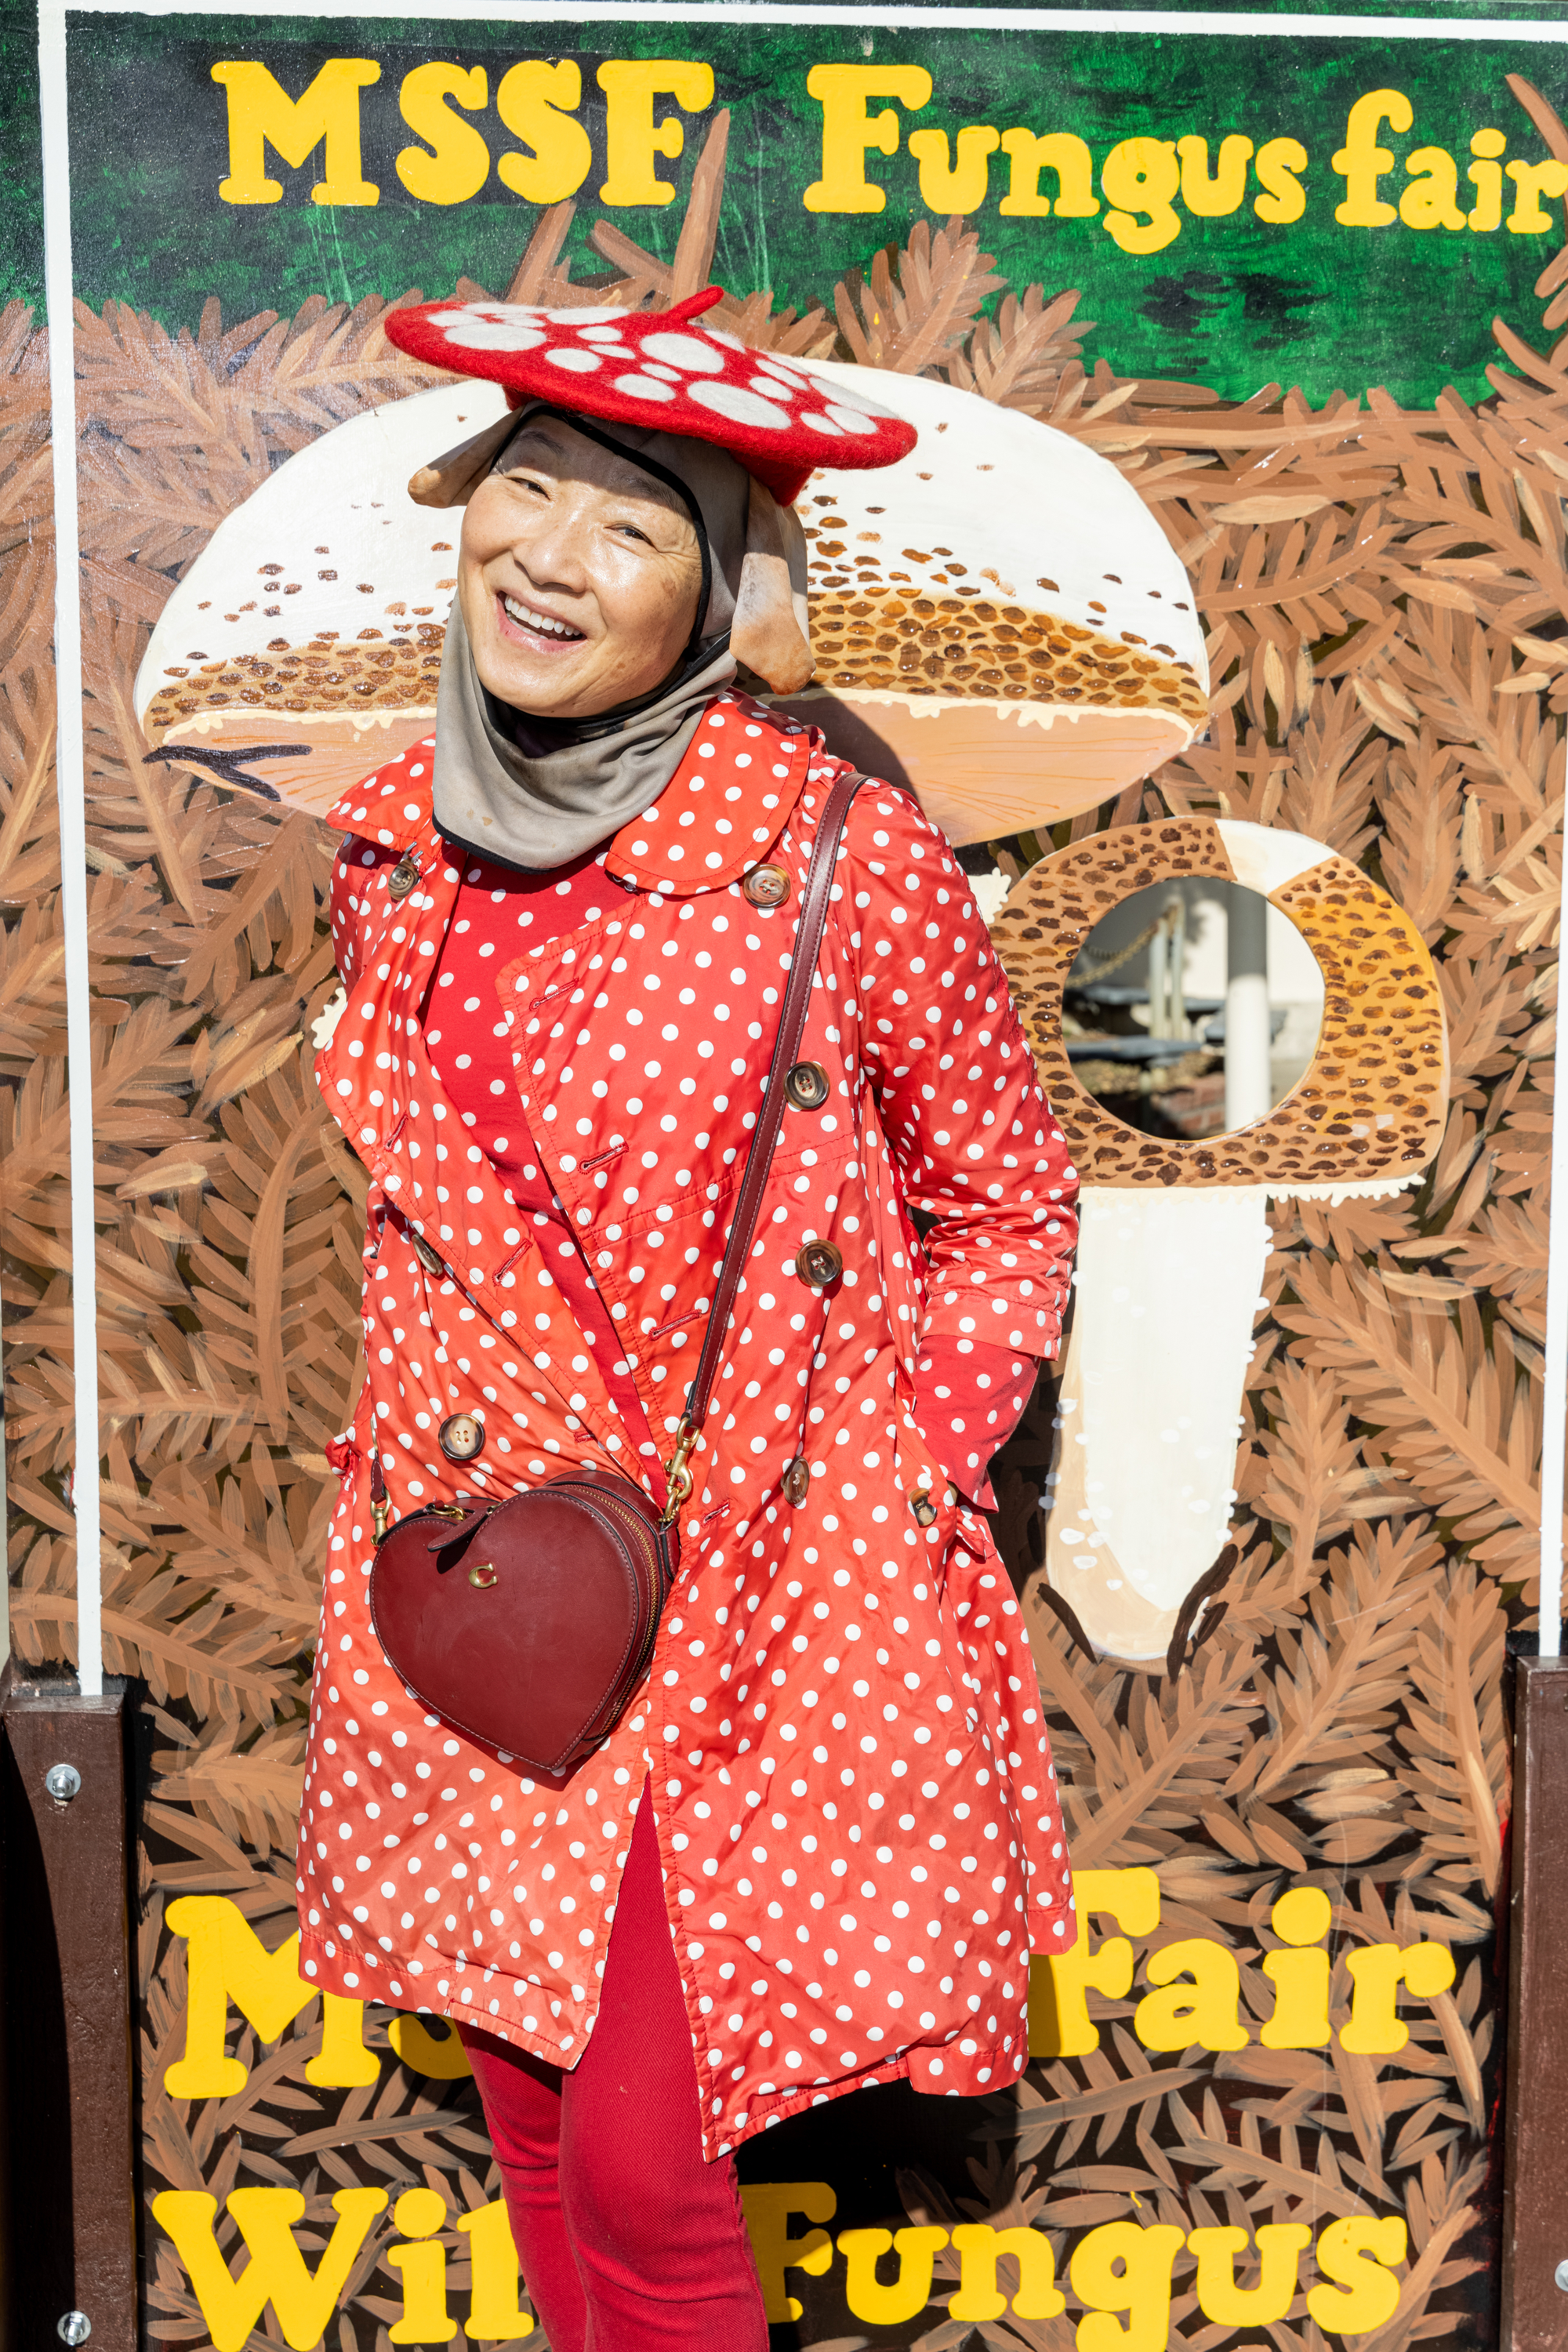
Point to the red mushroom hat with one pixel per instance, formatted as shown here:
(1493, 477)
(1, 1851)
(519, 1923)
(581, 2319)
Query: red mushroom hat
(659, 369)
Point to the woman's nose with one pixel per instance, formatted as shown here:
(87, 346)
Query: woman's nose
(548, 550)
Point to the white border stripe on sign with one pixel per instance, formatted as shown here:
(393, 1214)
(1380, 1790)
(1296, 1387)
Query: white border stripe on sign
(789, 12)
(70, 786)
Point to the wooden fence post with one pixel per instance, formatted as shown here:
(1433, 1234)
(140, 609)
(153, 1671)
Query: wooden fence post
(68, 2099)
(1536, 2178)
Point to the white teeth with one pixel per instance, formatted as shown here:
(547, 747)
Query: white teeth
(539, 621)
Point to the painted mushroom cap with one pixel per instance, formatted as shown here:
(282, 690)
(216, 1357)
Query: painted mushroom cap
(661, 369)
(303, 647)
(998, 616)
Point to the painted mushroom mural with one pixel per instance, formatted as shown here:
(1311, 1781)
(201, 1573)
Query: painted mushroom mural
(304, 644)
(998, 621)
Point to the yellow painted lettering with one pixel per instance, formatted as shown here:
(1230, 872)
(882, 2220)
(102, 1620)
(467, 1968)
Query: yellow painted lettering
(767, 2206)
(1142, 175)
(420, 2213)
(980, 2249)
(536, 101)
(1061, 152)
(1280, 2245)
(1211, 199)
(1300, 1979)
(1360, 161)
(1060, 2023)
(342, 2061)
(226, 1961)
(1360, 2254)
(1377, 1972)
(961, 188)
(454, 163)
(1203, 2012)
(440, 2062)
(1284, 198)
(1431, 201)
(493, 2312)
(849, 134)
(890, 2306)
(276, 2273)
(1486, 177)
(632, 137)
(1120, 2267)
(1531, 182)
(260, 111)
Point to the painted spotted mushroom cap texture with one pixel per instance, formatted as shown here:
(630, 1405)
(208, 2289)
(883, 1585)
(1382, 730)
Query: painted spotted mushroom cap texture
(665, 369)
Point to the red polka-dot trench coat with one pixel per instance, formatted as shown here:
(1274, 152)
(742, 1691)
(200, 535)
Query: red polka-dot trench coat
(841, 1733)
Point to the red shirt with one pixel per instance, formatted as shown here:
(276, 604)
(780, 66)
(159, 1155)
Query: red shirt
(500, 913)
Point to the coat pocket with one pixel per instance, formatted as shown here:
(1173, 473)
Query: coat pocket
(928, 1495)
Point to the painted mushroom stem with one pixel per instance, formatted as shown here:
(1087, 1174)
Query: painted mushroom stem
(1174, 1235)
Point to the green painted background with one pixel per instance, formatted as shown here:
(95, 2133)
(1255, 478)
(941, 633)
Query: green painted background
(1232, 302)
(21, 201)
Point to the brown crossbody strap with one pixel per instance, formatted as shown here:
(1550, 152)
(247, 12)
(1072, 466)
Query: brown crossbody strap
(813, 922)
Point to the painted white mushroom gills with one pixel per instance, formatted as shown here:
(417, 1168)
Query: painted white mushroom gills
(996, 620)
(1174, 1238)
(999, 618)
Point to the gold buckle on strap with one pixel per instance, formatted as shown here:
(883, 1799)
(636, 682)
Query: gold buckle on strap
(678, 1477)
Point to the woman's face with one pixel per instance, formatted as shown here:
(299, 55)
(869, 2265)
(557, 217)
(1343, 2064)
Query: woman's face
(578, 576)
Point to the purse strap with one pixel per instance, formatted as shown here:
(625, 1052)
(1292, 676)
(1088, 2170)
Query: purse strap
(813, 922)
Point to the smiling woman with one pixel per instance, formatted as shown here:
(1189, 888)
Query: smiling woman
(564, 921)
(612, 577)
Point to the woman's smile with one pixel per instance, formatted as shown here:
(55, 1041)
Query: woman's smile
(528, 625)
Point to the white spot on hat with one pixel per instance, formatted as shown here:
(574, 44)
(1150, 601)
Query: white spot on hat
(683, 352)
(579, 362)
(853, 420)
(642, 387)
(491, 335)
(513, 314)
(743, 407)
(824, 424)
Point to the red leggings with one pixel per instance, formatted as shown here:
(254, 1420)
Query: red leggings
(628, 2240)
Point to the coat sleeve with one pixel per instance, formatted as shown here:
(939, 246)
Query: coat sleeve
(971, 1136)
(355, 867)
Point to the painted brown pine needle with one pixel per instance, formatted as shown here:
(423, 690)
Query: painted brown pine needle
(1385, 595)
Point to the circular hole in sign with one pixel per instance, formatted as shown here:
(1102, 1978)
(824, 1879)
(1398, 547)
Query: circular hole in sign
(1192, 1009)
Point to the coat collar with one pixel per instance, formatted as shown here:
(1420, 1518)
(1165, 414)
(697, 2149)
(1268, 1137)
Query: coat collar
(719, 816)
